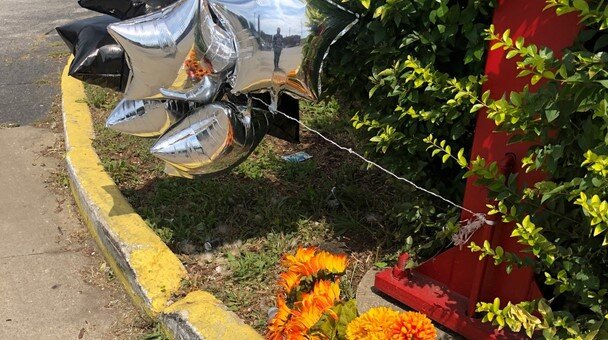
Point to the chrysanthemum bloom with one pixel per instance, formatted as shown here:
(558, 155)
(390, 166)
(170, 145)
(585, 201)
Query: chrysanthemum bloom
(323, 261)
(277, 325)
(302, 255)
(310, 261)
(374, 324)
(412, 326)
(307, 312)
(289, 280)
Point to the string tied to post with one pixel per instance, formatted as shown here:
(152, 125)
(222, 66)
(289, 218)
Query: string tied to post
(468, 226)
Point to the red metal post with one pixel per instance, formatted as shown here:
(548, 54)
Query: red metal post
(448, 286)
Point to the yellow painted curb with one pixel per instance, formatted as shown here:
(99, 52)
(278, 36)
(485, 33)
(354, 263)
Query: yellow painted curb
(148, 269)
(194, 311)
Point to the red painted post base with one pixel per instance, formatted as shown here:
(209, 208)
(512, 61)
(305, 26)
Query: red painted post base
(441, 304)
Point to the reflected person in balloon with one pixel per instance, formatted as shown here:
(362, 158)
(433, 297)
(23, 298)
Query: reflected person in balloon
(277, 47)
(215, 54)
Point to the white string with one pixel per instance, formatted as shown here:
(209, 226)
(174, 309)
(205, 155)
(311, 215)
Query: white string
(461, 237)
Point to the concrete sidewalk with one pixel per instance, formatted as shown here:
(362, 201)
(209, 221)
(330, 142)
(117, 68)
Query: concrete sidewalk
(52, 282)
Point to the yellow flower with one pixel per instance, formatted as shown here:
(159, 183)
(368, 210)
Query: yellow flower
(295, 322)
(413, 326)
(374, 324)
(335, 264)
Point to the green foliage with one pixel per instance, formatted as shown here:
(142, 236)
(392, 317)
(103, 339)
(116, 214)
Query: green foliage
(99, 97)
(408, 50)
(408, 69)
(563, 221)
(415, 71)
(441, 147)
(525, 316)
(329, 328)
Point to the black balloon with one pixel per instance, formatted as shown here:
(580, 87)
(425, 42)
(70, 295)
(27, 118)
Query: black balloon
(280, 126)
(124, 9)
(98, 59)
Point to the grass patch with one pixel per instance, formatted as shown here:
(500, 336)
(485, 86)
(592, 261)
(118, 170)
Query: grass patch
(231, 231)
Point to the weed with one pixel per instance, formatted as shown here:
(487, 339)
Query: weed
(59, 54)
(99, 97)
(156, 333)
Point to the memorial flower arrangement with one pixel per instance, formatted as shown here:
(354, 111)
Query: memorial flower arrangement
(309, 305)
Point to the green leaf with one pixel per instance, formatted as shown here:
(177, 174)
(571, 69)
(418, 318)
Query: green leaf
(445, 158)
(515, 98)
(551, 115)
(476, 108)
(336, 329)
(496, 305)
(512, 54)
(380, 265)
(581, 5)
(601, 42)
(500, 320)
(603, 82)
(485, 96)
(496, 46)
(461, 159)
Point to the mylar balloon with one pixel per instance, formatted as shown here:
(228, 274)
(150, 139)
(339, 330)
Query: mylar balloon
(212, 139)
(143, 118)
(188, 55)
(124, 9)
(281, 44)
(278, 46)
(167, 56)
(98, 59)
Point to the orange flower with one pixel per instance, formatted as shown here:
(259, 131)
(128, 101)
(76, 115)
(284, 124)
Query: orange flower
(276, 326)
(412, 326)
(302, 255)
(289, 281)
(295, 323)
(310, 309)
(325, 289)
(374, 324)
(309, 264)
(335, 264)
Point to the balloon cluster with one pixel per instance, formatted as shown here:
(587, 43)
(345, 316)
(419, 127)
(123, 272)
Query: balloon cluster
(191, 71)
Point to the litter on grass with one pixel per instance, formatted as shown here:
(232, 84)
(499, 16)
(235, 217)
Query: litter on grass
(297, 157)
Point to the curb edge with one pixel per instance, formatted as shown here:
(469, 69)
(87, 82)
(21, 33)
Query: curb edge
(148, 270)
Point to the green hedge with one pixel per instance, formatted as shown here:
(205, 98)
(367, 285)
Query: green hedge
(409, 76)
(408, 69)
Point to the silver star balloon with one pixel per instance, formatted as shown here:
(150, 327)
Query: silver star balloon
(277, 45)
(212, 139)
(281, 44)
(165, 52)
(143, 118)
(204, 50)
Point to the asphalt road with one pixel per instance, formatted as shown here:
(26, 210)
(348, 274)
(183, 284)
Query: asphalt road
(32, 56)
